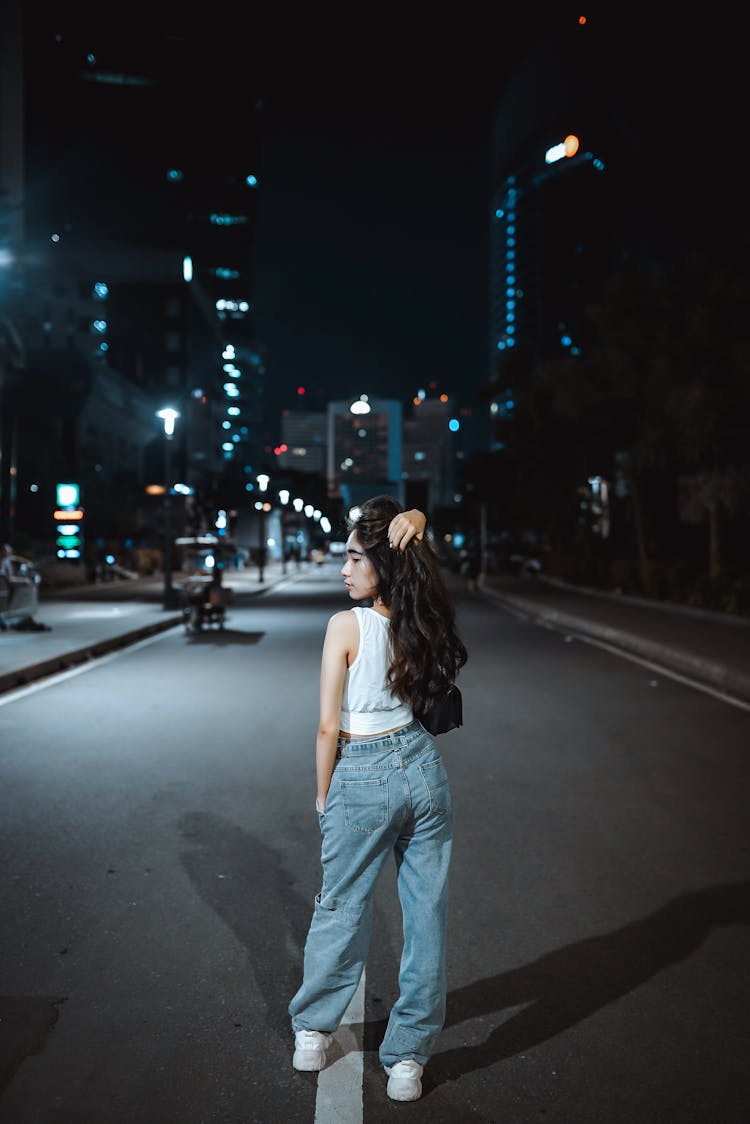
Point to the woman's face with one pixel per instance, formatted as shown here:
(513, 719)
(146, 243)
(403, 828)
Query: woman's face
(359, 573)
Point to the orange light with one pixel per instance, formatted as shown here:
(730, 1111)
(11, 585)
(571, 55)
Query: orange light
(155, 489)
(572, 144)
(581, 20)
(443, 397)
(68, 516)
(416, 401)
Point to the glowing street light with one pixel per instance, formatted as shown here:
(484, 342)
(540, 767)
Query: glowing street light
(168, 416)
(262, 507)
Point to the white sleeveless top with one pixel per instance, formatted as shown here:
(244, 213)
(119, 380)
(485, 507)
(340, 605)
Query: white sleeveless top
(368, 707)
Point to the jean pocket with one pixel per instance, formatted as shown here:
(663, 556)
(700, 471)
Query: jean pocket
(436, 782)
(365, 803)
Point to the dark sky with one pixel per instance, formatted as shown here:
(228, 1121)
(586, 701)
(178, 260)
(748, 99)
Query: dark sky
(371, 275)
(372, 260)
(372, 255)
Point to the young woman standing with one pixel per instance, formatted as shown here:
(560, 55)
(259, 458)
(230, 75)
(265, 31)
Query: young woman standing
(382, 790)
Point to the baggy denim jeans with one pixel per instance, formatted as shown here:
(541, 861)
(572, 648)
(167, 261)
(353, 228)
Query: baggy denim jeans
(389, 795)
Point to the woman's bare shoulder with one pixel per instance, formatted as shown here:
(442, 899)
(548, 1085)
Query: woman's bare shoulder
(343, 622)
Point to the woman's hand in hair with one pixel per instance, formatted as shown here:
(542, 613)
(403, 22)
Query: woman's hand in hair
(406, 526)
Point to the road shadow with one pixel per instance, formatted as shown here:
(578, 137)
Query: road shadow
(567, 985)
(556, 991)
(254, 892)
(222, 637)
(25, 1023)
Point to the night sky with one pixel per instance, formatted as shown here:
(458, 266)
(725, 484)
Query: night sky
(371, 268)
(372, 258)
(372, 265)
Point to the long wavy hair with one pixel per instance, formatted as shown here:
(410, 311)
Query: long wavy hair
(426, 649)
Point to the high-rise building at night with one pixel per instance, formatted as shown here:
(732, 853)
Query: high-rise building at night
(364, 449)
(430, 454)
(304, 433)
(560, 153)
(134, 187)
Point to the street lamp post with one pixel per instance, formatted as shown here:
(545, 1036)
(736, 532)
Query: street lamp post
(284, 497)
(263, 482)
(168, 416)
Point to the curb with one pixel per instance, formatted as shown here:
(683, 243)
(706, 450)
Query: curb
(22, 676)
(734, 619)
(708, 673)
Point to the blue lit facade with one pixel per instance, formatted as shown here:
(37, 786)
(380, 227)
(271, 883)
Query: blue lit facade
(125, 173)
(553, 217)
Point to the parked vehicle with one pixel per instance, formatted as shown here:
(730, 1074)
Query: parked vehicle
(19, 591)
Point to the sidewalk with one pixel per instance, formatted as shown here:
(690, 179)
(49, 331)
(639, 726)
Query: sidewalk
(83, 622)
(712, 649)
(86, 622)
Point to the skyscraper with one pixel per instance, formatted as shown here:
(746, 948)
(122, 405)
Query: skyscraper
(134, 258)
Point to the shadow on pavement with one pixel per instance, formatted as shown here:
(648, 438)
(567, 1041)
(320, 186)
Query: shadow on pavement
(566, 986)
(222, 636)
(255, 892)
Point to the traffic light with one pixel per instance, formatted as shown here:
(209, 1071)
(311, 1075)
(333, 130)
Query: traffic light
(68, 517)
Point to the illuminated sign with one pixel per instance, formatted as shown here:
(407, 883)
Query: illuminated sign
(68, 518)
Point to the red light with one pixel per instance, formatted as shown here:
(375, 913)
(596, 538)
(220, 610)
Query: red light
(300, 390)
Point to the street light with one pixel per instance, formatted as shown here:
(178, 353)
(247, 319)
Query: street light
(168, 416)
(262, 506)
(284, 498)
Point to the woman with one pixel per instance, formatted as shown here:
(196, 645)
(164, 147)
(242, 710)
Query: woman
(382, 789)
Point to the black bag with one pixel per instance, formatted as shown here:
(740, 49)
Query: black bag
(445, 711)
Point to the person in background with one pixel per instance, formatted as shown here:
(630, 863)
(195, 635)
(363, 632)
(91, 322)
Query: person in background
(382, 789)
(6, 564)
(6, 573)
(471, 565)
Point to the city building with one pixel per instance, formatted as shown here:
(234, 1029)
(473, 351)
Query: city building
(303, 436)
(126, 263)
(553, 217)
(364, 449)
(431, 453)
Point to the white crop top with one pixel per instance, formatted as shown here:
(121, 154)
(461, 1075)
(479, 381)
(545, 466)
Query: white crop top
(368, 707)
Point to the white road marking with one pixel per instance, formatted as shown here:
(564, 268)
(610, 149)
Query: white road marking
(16, 693)
(707, 690)
(552, 626)
(339, 1099)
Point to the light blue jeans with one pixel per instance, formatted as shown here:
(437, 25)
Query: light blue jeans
(389, 795)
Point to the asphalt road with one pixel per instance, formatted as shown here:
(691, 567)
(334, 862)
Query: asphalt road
(160, 858)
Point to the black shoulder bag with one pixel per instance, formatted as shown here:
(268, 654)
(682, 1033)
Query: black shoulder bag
(445, 711)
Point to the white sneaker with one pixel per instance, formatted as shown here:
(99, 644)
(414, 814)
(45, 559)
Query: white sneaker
(404, 1080)
(310, 1050)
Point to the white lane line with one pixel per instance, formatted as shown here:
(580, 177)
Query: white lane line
(16, 693)
(553, 626)
(339, 1099)
(704, 687)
